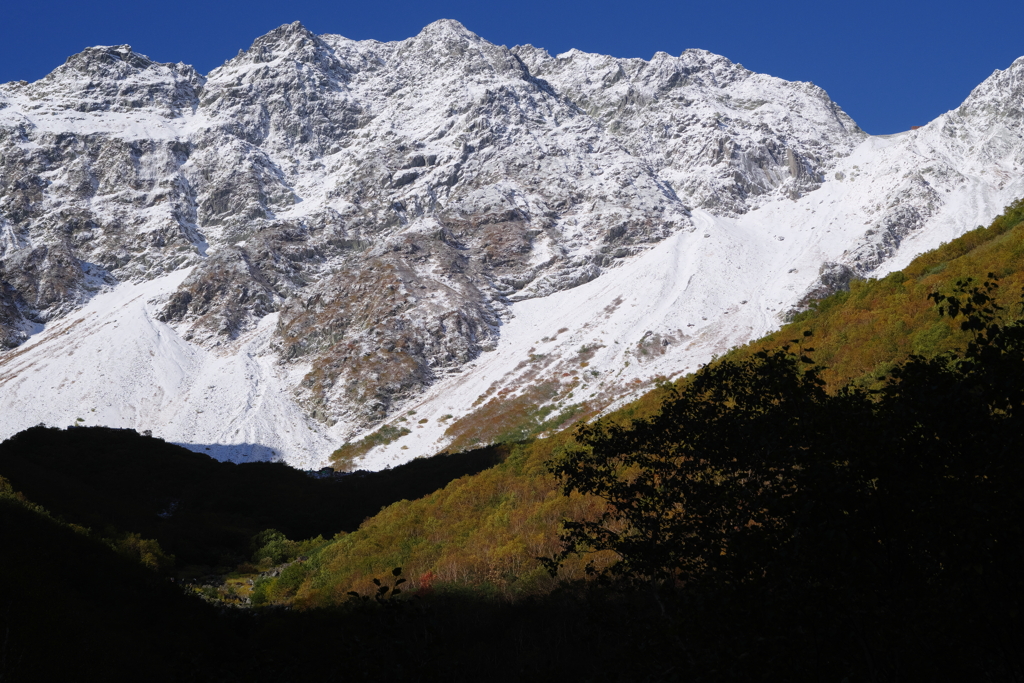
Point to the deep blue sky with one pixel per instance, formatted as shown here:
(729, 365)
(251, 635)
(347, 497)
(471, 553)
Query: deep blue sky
(889, 64)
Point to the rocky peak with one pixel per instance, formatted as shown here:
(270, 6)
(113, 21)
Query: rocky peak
(290, 41)
(448, 29)
(115, 62)
(986, 127)
(447, 44)
(720, 70)
(999, 98)
(724, 136)
(531, 55)
(311, 108)
(117, 79)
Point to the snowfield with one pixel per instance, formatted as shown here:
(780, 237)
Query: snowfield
(113, 364)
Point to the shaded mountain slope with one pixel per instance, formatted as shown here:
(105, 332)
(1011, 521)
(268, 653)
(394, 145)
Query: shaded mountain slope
(202, 511)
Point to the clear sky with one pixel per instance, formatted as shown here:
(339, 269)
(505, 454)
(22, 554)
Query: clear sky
(889, 64)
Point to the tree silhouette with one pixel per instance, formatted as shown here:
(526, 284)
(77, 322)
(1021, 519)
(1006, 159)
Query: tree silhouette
(878, 524)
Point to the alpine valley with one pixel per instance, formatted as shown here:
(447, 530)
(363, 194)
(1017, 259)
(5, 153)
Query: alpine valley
(400, 248)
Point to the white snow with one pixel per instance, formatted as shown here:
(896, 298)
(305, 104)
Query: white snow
(113, 364)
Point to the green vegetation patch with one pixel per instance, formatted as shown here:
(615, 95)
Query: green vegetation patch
(508, 420)
(344, 458)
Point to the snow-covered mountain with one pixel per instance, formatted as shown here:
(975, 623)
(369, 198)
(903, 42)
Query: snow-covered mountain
(322, 236)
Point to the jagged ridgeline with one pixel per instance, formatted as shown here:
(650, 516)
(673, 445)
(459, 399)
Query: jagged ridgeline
(327, 233)
(487, 530)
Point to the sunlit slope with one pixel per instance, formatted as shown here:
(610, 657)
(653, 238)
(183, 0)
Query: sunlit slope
(861, 334)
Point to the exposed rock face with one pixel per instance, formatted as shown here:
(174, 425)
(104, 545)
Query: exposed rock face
(386, 198)
(91, 189)
(388, 202)
(726, 138)
(832, 278)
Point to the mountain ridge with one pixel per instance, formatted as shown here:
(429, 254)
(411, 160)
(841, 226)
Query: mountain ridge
(347, 229)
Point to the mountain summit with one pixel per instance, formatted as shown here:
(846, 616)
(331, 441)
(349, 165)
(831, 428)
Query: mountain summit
(323, 235)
